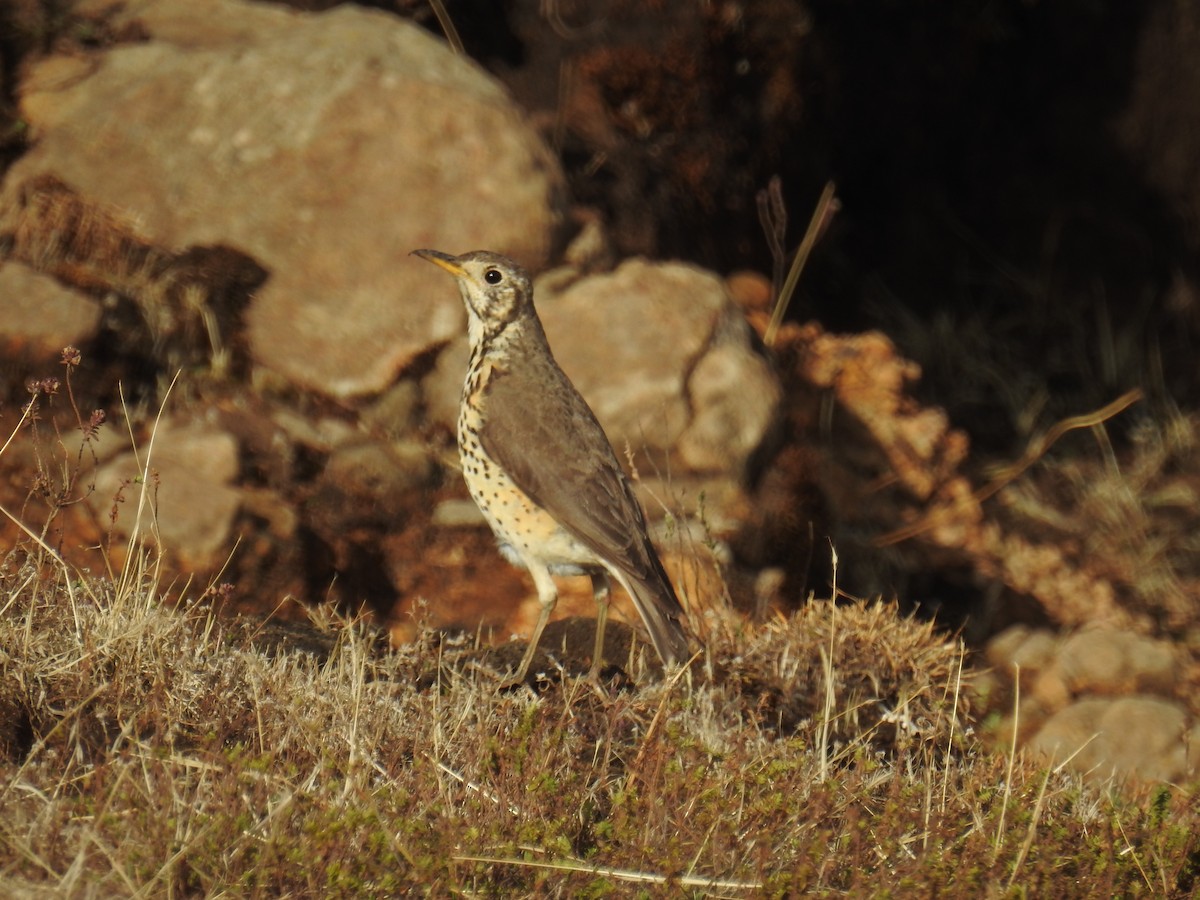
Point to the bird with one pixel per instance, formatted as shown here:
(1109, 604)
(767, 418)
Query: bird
(540, 468)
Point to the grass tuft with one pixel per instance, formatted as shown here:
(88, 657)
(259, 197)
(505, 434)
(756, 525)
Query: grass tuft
(151, 750)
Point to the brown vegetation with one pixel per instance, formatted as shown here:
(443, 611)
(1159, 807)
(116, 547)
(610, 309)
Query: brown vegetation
(145, 749)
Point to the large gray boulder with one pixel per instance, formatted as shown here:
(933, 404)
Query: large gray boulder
(325, 146)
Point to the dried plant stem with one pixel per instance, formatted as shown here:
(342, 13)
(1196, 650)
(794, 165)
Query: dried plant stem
(443, 17)
(571, 865)
(1038, 806)
(1036, 450)
(826, 205)
(1012, 759)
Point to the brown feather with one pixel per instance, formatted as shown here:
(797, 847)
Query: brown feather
(587, 493)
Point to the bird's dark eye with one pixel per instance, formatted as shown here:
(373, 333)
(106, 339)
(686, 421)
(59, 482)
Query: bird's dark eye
(493, 276)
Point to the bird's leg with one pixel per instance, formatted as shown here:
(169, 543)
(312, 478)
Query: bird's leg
(547, 597)
(600, 592)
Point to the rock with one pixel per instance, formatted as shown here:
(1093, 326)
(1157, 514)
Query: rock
(1021, 648)
(368, 482)
(191, 504)
(591, 249)
(1093, 661)
(1071, 703)
(628, 339)
(321, 433)
(1030, 652)
(1070, 731)
(734, 396)
(751, 291)
(442, 386)
(177, 309)
(1104, 661)
(324, 146)
(1136, 736)
(209, 454)
(1096, 661)
(267, 455)
(1050, 690)
(457, 513)
(41, 317)
(396, 412)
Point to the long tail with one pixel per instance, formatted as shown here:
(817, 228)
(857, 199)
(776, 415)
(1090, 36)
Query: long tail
(661, 611)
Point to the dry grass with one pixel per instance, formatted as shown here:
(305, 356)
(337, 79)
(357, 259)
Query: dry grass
(1133, 516)
(161, 752)
(149, 749)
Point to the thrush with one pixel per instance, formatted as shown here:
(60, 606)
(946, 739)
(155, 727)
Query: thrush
(540, 467)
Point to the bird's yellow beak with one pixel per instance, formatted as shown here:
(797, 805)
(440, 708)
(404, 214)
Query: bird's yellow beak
(444, 260)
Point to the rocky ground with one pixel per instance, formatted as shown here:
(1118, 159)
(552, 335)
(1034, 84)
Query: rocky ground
(215, 205)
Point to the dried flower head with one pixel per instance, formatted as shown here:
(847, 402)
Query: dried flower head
(39, 386)
(94, 422)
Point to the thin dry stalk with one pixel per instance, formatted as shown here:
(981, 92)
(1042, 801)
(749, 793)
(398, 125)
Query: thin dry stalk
(1012, 758)
(577, 865)
(1001, 478)
(953, 721)
(447, 24)
(822, 214)
(1132, 851)
(1038, 806)
(134, 573)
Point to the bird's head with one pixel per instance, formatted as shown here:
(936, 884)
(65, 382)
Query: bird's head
(495, 290)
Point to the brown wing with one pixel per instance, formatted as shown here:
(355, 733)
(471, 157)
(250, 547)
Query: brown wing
(542, 433)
